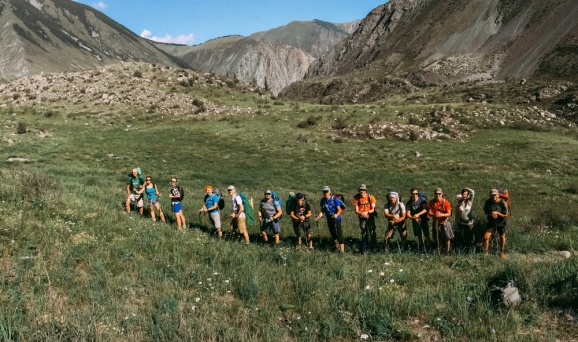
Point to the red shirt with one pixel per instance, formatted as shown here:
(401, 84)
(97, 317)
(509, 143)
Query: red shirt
(442, 206)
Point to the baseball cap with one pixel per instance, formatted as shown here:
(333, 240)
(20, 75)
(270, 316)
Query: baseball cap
(326, 188)
(299, 195)
(230, 187)
(362, 187)
(207, 187)
(439, 190)
(494, 192)
(268, 192)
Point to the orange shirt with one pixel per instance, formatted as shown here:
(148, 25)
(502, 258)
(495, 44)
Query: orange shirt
(442, 206)
(363, 203)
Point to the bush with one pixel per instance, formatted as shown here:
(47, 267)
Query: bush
(21, 128)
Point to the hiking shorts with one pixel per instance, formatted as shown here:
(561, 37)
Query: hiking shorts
(153, 201)
(274, 225)
(177, 207)
(392, 227)
(215, 219)
(301, 227)
(492, 228)
(240, 225)
(136, 198)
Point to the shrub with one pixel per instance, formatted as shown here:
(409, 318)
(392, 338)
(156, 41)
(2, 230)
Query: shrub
(21, 128)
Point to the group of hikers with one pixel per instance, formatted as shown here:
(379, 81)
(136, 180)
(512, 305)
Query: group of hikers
(422, 214)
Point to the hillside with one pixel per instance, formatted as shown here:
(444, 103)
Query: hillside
(62, 35)
(444, 42)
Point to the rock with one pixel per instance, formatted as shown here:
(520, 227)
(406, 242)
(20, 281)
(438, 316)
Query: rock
(17, 160)
(565, 254)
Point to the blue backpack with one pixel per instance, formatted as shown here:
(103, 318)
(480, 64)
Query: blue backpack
(278, 200)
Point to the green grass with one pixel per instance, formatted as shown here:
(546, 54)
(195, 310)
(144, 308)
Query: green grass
(76, 267)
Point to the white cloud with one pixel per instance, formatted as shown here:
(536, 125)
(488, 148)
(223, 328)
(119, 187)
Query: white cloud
(180, 39)
(99, 5)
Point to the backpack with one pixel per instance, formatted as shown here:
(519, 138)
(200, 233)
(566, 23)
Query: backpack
(358, 198)
(248, 207)
(279, 201)
(341, 199)
(291, 200)
(422, 197)
(221, 199)
(505, 196)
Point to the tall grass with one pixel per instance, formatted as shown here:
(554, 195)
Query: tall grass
(77, 267)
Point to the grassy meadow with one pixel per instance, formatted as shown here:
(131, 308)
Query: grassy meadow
(76, 267)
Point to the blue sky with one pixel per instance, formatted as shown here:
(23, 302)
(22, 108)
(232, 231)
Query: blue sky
(196, 21)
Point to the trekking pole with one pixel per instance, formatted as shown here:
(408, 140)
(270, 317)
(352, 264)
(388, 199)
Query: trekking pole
(437, 234)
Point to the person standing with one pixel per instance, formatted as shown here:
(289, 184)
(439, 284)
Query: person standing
(394, 212)
(134, 183)
(300, 212)
(416, 211)
(331, 207)
(440, 210)
(270, 211)
(465, 219)
(364, 204)
(496, 211)
(153, 196)
(211, 206)
(176, 194)
(238, 216)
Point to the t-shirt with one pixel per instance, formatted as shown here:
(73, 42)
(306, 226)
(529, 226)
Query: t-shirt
(135, 183)
(500, 206)
(301, 210)
(210, 201)
(442, 206)
(236, 201)
(416, 207)
(269, 208)
(329, 207)
(363, 203)
(176, 191)
(397, 209)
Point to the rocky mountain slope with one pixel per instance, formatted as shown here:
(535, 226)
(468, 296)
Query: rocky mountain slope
(62, 35)
(271, 59)
(438, 42)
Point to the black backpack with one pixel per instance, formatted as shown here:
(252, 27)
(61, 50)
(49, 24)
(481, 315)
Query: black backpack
(221, 199)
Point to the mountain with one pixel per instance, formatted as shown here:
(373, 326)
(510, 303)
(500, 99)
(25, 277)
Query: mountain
(271, 59)
(444, 42)
(63, 35)
(315, 37)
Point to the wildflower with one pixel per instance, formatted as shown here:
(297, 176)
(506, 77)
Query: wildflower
(368, 287)
(382, 273)
(364, 336)
(401, 269)
(392, 281)
(197, 299)
(369, 271)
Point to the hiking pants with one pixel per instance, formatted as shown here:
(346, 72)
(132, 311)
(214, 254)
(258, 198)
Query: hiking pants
(335, 230)
(367, 227)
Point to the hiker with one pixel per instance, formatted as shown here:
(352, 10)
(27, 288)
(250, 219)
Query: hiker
(464, 218)
(440, 210)
(176, 194)
(496, 211)
(211, 206)
(153, 196)
(270, 211)
(416, 211)
(364, 204)
(300, 212)
(331, 208)
(238, 221)
(133, 184)
(394, 212)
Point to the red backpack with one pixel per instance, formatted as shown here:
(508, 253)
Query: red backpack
(505, 196)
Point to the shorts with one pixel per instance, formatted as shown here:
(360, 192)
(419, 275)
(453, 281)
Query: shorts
(136, 198)
(299, 227)
(153, 201)
(400, 227)
(177, 207)
(492, 228)
(240, 225)
(274, 225)
(215, 219)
